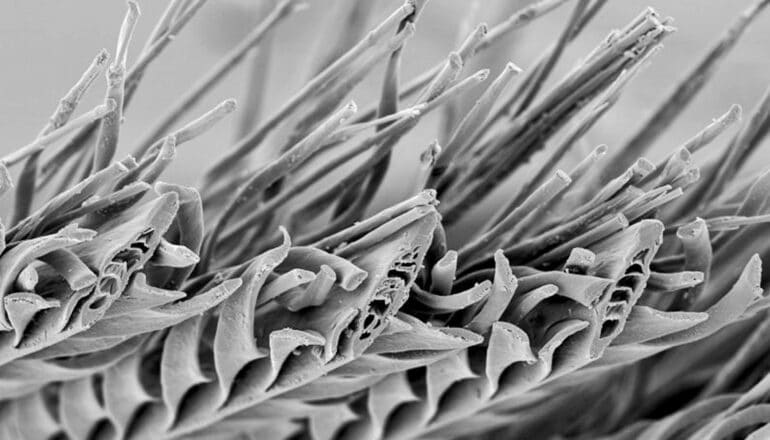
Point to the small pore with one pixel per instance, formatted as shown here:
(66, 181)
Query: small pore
(379, 306)
(635, 268)
(641, 255)
(629, 281)
(620, 295)
(399, 274)
(109, 286)
(129, 256)
(608, 327)
(616, 309)
(98, 303)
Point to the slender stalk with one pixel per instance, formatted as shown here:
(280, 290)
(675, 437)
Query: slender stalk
(275, 171)
(257, 85)
(217, 73)
(507, 225)
(196, 127)
(39, 144)
(471, 123)
(109, 129)
(27, 180)
(312, 87)
(685, 91)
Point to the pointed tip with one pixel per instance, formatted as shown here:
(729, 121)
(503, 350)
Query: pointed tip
(513, 68)
(734, 114)
(133, 8)
(563, 177)
(408, 30)
(102, 57)
(297, 5)
(350, 109)
(696, 277)
(601, 150)
(501, 259)
(753, 272)
(428, 196)
(229, 105)
(622, 220)
(168, 149)
(455, 60)
(6, 182)
(691, 230)
(108, 106)
(286, 238)
(651, 231)
(756, 262)
(644, 165)
(126, 33)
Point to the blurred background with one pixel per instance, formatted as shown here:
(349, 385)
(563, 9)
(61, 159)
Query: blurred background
(46, 44)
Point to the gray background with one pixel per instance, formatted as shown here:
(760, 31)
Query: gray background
(45, 45)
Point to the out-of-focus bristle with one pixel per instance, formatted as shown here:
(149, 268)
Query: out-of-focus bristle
(520, 19)
(172, 11)
(257, 85)
(280, 299)
(268, 175)
(686, 90)
(258, 134)
(507, 226)
(217, 72)
(541, 73)
(331, 44)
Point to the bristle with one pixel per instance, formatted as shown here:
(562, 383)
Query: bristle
(520, 19)
(471, 124)
(217, 73)
(166, 30)
(164, 23)
(132, 80)
(741, 146)
(41, 142)
(262, 179)
(687, 88)
(711, 131)
(254, 97)
(27, 180)
(197, 127)
(109, 126)
(322, 292)
(257, 135)
(507, 225)
(543, 70)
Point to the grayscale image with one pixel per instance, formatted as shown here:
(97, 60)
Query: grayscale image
(384, 220)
